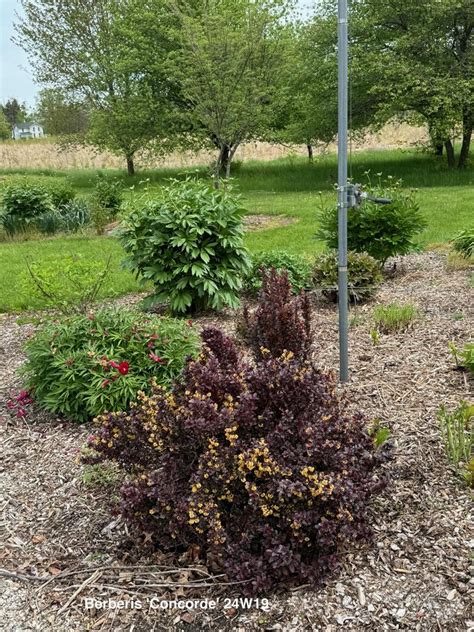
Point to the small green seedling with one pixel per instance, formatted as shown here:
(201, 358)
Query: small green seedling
(457, 431)
(375, 337)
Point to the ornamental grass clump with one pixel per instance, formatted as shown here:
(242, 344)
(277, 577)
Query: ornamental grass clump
(257, 465)
(281, 322)
(83, 365)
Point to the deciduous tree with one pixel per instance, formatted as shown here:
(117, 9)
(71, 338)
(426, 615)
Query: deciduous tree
(60, 116)
(420, 57)
(95, 50)
(232, 52)
(5, 128)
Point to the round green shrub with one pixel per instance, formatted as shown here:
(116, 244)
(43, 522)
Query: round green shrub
(381, 231)
(189, 244)
(22, 204)
(297, 267)
(81, 366)
(363, 271)
(60, 192)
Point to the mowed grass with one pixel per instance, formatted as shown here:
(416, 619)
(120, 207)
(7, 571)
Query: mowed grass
(287, 188)
(14, 296)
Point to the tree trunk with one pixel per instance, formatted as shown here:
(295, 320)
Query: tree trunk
(439, 149)
(309, 147)
(224, 162)
(130, 166)
(450, 153)
(466, 141)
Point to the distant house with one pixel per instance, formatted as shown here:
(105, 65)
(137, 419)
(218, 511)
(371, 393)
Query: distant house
(27, 130)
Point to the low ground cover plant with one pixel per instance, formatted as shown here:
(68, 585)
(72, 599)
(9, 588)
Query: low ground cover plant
(83, 365)
(280, 322)
(394, 317)
(297, 267)
(189, 244)
(380, 231)
(457, 430)
(364, 275)
(257, 465)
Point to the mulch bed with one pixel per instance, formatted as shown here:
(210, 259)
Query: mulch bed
(62, 544)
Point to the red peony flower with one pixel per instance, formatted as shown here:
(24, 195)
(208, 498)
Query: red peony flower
(123, 368)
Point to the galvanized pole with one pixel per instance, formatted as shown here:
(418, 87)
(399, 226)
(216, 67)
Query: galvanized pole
(343, 62)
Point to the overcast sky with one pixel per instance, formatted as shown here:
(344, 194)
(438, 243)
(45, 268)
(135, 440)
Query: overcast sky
(16, 78)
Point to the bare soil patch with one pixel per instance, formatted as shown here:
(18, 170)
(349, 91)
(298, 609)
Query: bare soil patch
(415, 575)
(264, 222)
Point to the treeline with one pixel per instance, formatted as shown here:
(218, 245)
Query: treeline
(156, 75)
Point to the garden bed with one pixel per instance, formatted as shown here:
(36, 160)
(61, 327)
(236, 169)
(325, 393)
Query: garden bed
(413, 576)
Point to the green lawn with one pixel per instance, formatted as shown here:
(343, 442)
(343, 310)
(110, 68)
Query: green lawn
(287, 187)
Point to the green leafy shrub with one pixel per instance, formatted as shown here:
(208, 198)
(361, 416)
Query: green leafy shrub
(394, 317)
(297, 267)
(189, 244)
(60, 192)
(464, 357)
(457, 429)
(22, 204)
(363, 271)
(380, 231)
(100, 217)
(463, 243)
(281, 322)
(259, 465)
(108, 194)
(83, 365)
(69, 284)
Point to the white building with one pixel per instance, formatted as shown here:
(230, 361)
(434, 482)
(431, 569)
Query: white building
(27, 130)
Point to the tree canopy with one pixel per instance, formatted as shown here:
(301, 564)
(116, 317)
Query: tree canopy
(93, 50)
(228, 64)
(158, 74)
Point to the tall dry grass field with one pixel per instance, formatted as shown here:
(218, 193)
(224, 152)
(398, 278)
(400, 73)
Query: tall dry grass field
(41, 154)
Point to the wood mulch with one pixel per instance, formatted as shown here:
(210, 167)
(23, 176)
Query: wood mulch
(61, 543)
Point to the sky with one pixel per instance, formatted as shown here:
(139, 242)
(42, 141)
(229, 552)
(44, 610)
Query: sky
(16, 78)
(15, 75)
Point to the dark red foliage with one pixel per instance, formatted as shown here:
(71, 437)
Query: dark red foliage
(19, 404)
(281, 321)
(258, 465)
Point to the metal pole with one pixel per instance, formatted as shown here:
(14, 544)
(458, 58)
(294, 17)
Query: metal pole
(343, 63)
